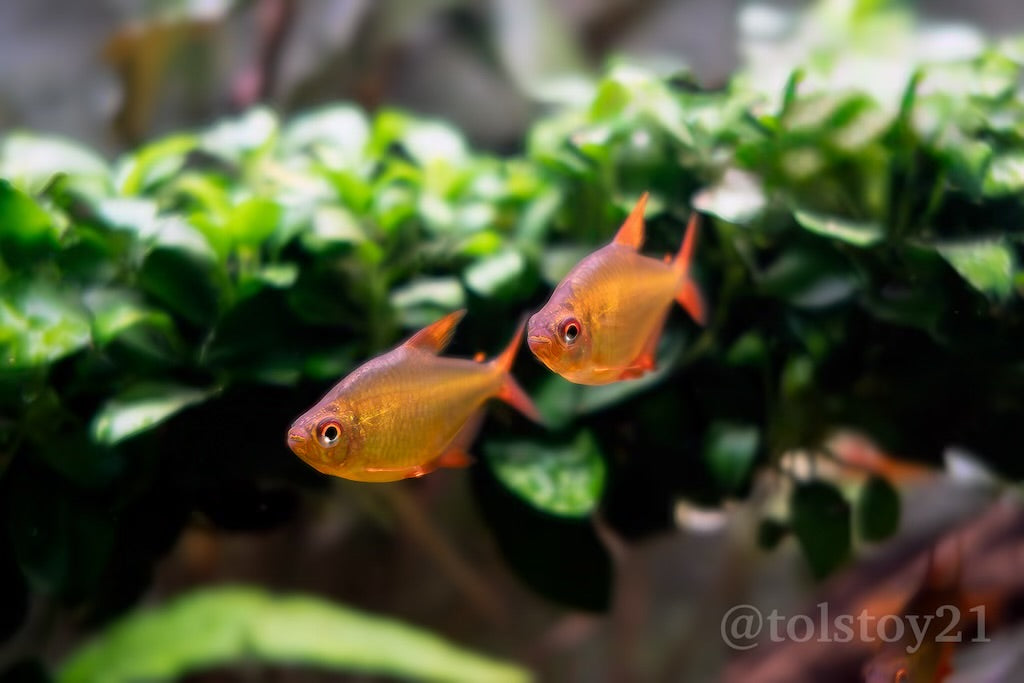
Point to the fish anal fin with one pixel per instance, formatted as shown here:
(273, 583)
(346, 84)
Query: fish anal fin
(631, 234)
(435, 336)
(513, 394)
(455, 457)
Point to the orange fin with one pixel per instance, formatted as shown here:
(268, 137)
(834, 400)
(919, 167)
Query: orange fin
(510, 392)
(455, 458)
(435, 336)
(479, 357)
(689, 296)
(631, 234)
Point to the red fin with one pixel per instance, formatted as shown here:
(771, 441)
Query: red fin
(454, 458)
(510, 391)
(435, 336)
(479, 357)
(631, 234)
(689, 296)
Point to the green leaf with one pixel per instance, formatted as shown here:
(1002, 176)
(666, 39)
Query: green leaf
(153, 164)
(225, 626)
(254, 220)
(117, 310)
(729, 450)
(26, 229)
(1005, 175)
(736, 198)
(31, 161)
(424, 300)
(39, 323)
(565, 479)
(988, 265)
(336, 134)
(141, 408)
(238, 138)
(878, 510)
(820, 519)
(859, 234)
(502, 276)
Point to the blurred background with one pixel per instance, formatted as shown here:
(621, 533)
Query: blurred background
(637, 589)
(113, 73)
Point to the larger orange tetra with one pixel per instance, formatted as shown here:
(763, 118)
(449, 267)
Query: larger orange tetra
(603, 321)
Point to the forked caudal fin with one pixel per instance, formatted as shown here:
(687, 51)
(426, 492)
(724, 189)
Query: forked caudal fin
(510, 391)
(688, 295)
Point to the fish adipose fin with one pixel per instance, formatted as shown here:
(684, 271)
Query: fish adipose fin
(688, 295)
(510, 392)
(435, 336)
(631, 234)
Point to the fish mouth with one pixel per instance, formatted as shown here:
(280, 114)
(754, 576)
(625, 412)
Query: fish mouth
(297, 442)
(535, 339)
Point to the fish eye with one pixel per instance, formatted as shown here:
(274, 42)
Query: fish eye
(328, 432)
(570, 330)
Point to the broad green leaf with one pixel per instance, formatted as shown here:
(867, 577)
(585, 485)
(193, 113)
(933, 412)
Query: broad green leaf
(859, 234)
(736, 198)
(39, 323)
(809, 277)
(219, 627)
(433, 141)
(820, 519)
(878, 510)
(501, 276)
(336, 134)
(116, 310)
(729, 450)
(988, 265)
(31, 161)
(153, 164)
(1005, 175)
(26, 229)
(141, 408)
(332, 226)
(254, 220)
(187, 283)
(564, 479)
(236, 139)
(424, 300)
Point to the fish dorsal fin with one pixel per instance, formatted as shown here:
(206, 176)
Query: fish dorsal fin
(631, 234)
(435, 336)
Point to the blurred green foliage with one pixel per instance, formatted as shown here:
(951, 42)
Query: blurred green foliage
(164, 317)
(220, 626)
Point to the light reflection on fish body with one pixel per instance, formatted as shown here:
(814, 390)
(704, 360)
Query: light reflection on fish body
(406, 412)
(603, 321)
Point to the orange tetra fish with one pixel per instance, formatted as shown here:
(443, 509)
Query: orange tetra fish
(407, 412)
(603, 321)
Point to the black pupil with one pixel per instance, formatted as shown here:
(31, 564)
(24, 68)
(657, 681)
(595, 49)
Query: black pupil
(330, 433)
(571, 331)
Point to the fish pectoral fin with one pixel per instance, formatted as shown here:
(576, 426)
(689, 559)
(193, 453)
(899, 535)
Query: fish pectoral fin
(645, 361)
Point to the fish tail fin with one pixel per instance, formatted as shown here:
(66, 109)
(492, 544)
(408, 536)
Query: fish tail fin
(510, 392)
(689, 295)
